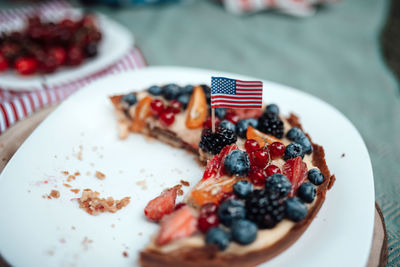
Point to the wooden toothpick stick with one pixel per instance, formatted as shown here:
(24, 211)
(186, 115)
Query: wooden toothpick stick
(213, 120)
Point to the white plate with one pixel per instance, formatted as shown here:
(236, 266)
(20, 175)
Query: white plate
(115, 43)
(38, 232)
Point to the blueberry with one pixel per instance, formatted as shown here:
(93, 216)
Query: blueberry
(188, 89)
(295, 209)
(220, 113)
(272, 108)
(230, 211)
(297, 135)
(244, 232)
(242, 125)
(294, 133)
(307, 192)
(218, 237)
(184, 100)
(315, 176)
(293, 150)
(171, 91)
(278, 184)
(237, 163)
(242, 188)
(130, 98)
(207, 91)
(155, 90)
(227, 125)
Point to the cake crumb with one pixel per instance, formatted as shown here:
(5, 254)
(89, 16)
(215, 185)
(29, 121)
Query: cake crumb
(185, 183)
(142, 184)
(55, 156)
(93, 204)
(343, 155)
(76, 191)
(66, 157)
(70, 178)
(67, 185)
(54, 194)
(65, 172)
(112, 225)
(121, 171)
(94, 148)
(92, 164)
(142, 170)
(73, 228)
(125, 254)
(77, 173)
(140, 233)
(179, 192)
(85, 243)
(100, 175)
(88, 173)
(50, 252)
(62, 241)
(29, 191)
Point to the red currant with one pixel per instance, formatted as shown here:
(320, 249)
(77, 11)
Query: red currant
(260, 158)
(157, 106)
(207, 124)
(167, 118)
(208, 208)
(208, 221)
(272, 169)
(176, 106)
(251, 145)
(26, 65)
(3, 63)
(257, 176)
(276, 149)
(232, 117)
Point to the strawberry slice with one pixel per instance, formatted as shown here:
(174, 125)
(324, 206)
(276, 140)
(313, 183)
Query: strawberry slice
(215, 167)
(296, 170)
(181, 223)
(161, 205)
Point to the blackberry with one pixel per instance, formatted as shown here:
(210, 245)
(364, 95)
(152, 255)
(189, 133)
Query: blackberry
(207, 91)
(270, 123)
(213, 142)
(266, 210)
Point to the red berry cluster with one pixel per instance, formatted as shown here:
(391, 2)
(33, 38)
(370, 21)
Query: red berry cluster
(42, 47)
(260, 158)
(165, 113)
(208, 217)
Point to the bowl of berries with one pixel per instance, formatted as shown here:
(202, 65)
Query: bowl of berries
(53, 49)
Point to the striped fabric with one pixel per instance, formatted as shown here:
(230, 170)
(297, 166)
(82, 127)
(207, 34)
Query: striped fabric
(16, 105)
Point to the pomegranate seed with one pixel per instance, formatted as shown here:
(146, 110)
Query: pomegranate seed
(260, 158)
(167, 118)
(60, 54)
(176, 106)
(26, 65)
(272, 169)
(3, 63)
(157, 106)
(257, 176)
(232, 117)
(251, 145)
(179, 205)
(208, 221)
(208, 208)
(276, 149)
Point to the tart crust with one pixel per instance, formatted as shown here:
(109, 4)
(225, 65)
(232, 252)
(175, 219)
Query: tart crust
(210, 255)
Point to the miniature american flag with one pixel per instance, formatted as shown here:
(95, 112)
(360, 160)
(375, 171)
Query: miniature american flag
(231, 93)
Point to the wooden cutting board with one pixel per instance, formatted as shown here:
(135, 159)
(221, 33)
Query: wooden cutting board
(11, 140)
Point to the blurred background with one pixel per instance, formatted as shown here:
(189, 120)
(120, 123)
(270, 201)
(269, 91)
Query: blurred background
(344, 52)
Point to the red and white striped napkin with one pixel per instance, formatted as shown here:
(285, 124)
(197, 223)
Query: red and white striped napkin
(16, 105)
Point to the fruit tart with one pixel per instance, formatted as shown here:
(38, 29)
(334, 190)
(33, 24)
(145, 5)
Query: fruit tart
(263, 184)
